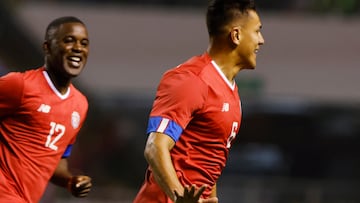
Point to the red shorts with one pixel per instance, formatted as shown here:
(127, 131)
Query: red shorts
(150, 192)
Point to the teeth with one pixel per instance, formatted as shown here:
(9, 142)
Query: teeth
(76, 64)
(76, 59)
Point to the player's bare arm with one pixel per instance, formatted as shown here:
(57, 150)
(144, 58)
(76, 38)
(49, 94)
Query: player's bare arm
(213, 191)
(157, 154)
(78, 186)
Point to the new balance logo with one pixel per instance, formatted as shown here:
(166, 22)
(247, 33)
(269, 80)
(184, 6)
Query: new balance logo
(226, 107)
(44, 108)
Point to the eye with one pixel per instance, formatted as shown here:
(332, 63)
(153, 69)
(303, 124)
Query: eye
(68, 40)
(85, 42)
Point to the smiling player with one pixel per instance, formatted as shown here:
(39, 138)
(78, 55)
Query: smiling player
(41, 113)
(197, 113)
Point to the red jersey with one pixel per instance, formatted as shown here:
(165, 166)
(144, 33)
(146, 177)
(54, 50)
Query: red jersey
(37, 124)
(200, 110)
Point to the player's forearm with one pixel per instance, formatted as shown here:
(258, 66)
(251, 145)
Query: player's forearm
(61, 175)
(214, 191)
(164, 173)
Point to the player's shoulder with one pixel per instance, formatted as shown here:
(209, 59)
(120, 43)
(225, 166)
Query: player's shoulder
(21, 74)
(33, 74)
(187, 77)
(13, 78)
(13, 75)
(13, 83)
(193, 67)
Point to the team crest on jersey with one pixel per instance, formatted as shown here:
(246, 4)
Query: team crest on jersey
(75, 119)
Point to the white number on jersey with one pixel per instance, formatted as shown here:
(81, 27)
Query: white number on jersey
(232, 136)
(56, 132)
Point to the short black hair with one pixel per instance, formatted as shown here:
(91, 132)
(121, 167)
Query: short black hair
(221, 12)
(59, 21)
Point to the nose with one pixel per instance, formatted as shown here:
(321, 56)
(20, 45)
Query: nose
(261, 39)
(77, 47)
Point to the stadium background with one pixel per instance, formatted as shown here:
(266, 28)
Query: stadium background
(299, 140)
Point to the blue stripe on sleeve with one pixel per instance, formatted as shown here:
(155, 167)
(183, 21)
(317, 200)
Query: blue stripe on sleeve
(67, 151)
(164, 125)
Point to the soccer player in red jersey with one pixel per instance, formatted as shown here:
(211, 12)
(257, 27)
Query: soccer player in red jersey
(41, 113)
(197, 111)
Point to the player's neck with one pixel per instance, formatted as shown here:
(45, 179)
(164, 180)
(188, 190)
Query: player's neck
(230, 70)
(61, 84)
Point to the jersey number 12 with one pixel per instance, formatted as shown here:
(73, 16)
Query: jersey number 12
(56, 132)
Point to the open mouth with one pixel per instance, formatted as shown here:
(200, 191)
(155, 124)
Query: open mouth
(75, 60)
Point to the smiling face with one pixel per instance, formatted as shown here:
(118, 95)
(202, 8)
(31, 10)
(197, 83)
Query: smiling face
(250, 39)
(67, 50)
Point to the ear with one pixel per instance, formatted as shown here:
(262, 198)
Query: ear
(46, 47)
(235, 35)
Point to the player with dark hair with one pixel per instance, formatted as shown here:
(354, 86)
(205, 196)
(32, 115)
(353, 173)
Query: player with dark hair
(197, 111)
(41, 113)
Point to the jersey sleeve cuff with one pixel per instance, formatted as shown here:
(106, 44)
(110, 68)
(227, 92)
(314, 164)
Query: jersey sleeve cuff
(67, 152)
(165, 126)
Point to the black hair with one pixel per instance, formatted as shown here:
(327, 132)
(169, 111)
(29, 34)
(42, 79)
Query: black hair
(59, 21)
(221, 12)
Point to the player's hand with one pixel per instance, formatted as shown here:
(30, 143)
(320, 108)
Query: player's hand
(209, 200)
(80, 186)
(191, 194)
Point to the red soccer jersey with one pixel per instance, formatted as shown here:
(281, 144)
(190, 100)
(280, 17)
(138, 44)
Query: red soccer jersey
(37, 123)
(199, 109)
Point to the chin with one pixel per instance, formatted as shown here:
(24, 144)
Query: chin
(250, 63)
(251, 66)
(74, 71)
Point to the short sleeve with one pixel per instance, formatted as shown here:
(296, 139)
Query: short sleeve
(67, 152)
(179, 95)
(11, 89)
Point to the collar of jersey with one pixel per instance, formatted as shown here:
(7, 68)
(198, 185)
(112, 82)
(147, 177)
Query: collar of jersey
(53, 88)
(232, 86)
